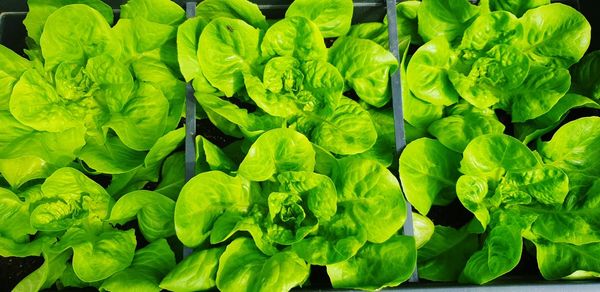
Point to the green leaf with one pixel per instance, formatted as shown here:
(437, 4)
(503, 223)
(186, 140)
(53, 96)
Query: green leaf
(18, 171)
(172, 176)
(332, 17)
(239, 9)
(296, 37)
(366, 67)
(197, 271)
(546, 41)
(157, 73)
(150, 264)
(376, 266)
(456, 131)
(559, 260)
(541, 90)
(202, 200)
(227, 49)
(211, 155)
(473, 193)
(495, 77)
(492, 155)
(407, 21)
(111, 158)
(35, 103)
(277, 151)
(428, 172)
(445, 255)
(446, 18)
(500, 254)
(98, 256)
(385, 146)
(585, 75)
(337, 240)
(423, 229)
(154, 213)
(370, 192)
(55, 148)
(516, 7)
(159, 11)
(574, 148)
(548, 185)
(141, 120)
(348, 130)
(40, 10)
(375, 31)
(14, 215)
(188, 35)
(13, 66)
(69, 198)
(530, 130)
(243, 266)
(427, 74)
(487, 31)
(11, 248)
(573, 223)
(64, 36)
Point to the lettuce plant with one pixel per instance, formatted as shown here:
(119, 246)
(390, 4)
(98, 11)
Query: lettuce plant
(95, 88)
(250, 76)
(282, 212)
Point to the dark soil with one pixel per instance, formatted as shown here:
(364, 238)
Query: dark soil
(13, 270)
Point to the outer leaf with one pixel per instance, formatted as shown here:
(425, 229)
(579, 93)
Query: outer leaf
(558, 260)
(35, 103)
(202, 200)
(150, 264)
(574, 149)
(244, 266)
(39, 10)
(456, 131)
(142, 120)
(366, 67)
(493, 154)
(500, 254)
(13, 66)
(69, 197)
(376, 266)
(540, 91)
(245, 10)
(231, 40)
(428, 172)
(371, 193)
(447, 18)
(427, 73)
(196, 272)
(332, 17)
(112, 158)
(153, 210)
(159, 11)
(70, 43)
(99, 256)
(533, 129)
(445, 255)
(337, 240)
(348, 130)
(544, 37)
(585, 75)
(277, 151)
(14, 214)
(297, 37)
(516, 7)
